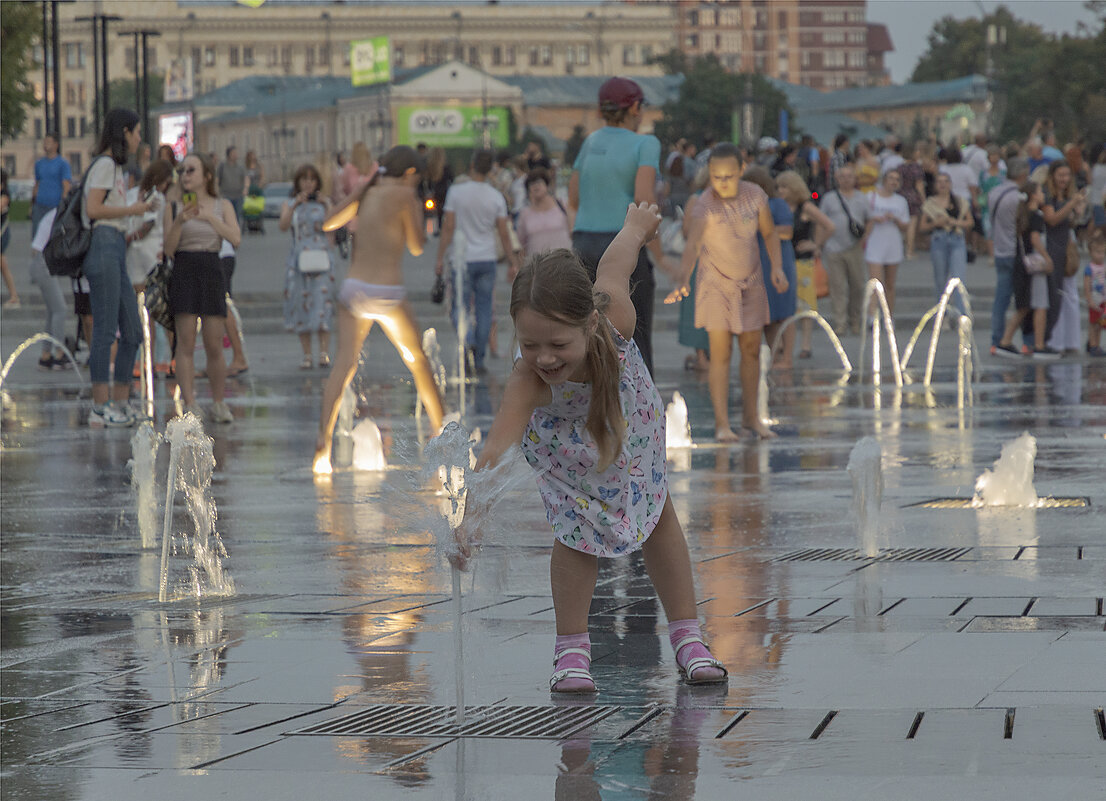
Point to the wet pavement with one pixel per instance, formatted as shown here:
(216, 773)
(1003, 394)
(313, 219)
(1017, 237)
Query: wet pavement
(966, 660)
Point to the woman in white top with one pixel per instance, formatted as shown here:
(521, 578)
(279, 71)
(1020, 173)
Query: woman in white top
(888, 218)
(542, 225)
(147, 234)
(947, 219)
(114, 305)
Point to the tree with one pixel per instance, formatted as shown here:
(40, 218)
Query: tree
(123, 94)
(19, 24)
(709, 96)
(1034, 74)
(574, 143)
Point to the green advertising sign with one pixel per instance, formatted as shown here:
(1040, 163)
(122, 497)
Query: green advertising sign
(451, 126)
(370, 61)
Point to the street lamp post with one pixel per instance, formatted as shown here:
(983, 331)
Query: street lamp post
(99, 62)
(142, 78)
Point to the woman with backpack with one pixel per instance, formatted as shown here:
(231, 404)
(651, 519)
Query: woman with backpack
(112, 297)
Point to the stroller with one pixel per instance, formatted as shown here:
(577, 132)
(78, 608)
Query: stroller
(253, 207)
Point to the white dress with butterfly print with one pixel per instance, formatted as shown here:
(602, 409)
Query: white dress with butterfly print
(610, 513)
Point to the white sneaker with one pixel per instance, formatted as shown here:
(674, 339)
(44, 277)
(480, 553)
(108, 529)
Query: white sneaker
(220, 413)
(109, 416)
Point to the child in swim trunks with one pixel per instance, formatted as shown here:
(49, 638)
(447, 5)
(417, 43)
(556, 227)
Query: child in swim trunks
(730, 298)
(591, 423)
(389, 217)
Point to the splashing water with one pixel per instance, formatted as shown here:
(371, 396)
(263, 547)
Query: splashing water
(677, 426)
(191, 464)
(19, 351)
(433, 351)
(866, 470)
(368, 447)
(1010, 481)
(762, 387)
(143, 465)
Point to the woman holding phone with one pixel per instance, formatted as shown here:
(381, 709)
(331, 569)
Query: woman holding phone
(194, 234)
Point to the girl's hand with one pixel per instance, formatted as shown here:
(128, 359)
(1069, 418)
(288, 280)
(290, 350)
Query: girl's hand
(643, 218)
(779, 280)
(190, 212)
(299, 199)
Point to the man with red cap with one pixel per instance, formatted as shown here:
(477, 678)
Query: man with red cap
(616, 167)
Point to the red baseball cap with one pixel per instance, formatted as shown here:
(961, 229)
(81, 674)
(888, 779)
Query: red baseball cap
(618, 93)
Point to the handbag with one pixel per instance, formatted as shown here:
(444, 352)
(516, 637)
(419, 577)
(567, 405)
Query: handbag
(855, 228)
(437, 293)
(312, 261)
(1037, 264)
(821, 279)
(1071, 262)
(157, 294)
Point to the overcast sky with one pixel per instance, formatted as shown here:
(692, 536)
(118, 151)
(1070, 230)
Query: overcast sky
(910, 22)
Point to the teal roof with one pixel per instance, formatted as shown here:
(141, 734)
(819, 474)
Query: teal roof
(957, 90)
(577, 90)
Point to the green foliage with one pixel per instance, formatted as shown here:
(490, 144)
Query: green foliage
(19, 25)
(708, 98)
(124, 95)
(1036, 75)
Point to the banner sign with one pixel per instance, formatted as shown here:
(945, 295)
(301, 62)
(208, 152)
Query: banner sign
(451, 126)
(370, 61)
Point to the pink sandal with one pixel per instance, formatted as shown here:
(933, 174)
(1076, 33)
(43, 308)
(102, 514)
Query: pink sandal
(572, 672)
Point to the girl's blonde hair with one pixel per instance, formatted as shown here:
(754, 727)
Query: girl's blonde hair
(325, 167)
(361, 158)
(794, 183)
(556, 285)
(1050, 182)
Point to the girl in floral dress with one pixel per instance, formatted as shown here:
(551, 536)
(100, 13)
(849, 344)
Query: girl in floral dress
(591, 423)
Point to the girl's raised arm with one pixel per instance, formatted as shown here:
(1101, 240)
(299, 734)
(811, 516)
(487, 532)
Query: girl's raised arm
(619, 261)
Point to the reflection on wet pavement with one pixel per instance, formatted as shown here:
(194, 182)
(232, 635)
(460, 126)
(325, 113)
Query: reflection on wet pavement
(970, 650)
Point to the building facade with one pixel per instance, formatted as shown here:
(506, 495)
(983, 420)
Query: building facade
(207, 44)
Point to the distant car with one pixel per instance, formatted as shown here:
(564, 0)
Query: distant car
(275, 194)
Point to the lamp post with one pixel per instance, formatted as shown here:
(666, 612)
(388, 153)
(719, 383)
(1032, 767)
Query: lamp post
(99, 62)
(458, 51)
(325, 17)
(142, 78)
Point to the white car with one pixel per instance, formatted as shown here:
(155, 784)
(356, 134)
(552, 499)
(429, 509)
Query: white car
(275, 194)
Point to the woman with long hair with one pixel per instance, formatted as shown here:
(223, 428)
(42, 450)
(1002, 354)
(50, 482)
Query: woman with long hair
(888, 218)
(309, 280)
(809, 232)
(1030, 291)
(111, 295)
(781, 304)
(867, 167)
(1063, 207)
(255, 172)
(194, 234)
(947, 219)
(913, 189)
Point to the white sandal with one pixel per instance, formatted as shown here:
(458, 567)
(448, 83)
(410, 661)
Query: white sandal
(697, 663)
(572, 672)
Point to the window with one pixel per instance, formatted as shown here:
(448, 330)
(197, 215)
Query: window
(546, 55)
(474, 55)
(833, 37)
(209, 56)
(781, 19)
(345, 54)
(247, 56)
(9, 164)
(74, 54)
(74, 160)
(781, 66)
(533, 56)
(38, 128)
(858, 58)
(232, 55)
(197, 59)
(497, 55)
(84, 126)
(693, 40)
(629, 55)
(833, 58)
(151, 57)
(71, 93)
(397, 56)
(805, 58)
(71, 127)
(309, 56)
(274, 56)
(858, 37)
(583, 55)
(509, 56)
(833, 16)
(322, 137)
(286, 56)
(647, 51)
(731, 61)
(693, 19)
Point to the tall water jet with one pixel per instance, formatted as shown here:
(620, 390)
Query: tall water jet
(143, 464)
(343, 428)
(1010, 481)
(191, 463)
(762, 386)
(810, 314)
(368, 447)
(866, 470)
(19, 351)
(433, 350)
(875, 288)
(676, 425)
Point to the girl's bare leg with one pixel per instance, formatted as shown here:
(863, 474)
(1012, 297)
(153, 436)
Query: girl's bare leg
(749, 344)
(911, 233)
(572, 575)
(669, 566)
(305, 345)
(1012, 326)
(238, 357)
(782, 359)
(213, 347)
(718, 380)
(324, 347)
(403, 331)
(351, 336)
(9, 282)
(185, 325)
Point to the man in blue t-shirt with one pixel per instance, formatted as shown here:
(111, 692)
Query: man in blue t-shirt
(52, 180)
(616, 167)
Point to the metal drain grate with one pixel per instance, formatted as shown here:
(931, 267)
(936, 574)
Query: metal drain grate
(515, 722)
(885, 555)
(966, 503)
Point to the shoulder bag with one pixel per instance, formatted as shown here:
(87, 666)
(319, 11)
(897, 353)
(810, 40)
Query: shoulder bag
(69, 239)
(855, 228)
(156, 293)
(1071, 262)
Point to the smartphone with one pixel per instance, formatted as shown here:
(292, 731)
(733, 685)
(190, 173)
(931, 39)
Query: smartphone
(188, 197)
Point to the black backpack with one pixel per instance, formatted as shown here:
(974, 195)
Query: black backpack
(69, 239)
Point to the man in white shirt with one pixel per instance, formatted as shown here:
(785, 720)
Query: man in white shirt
(975, 155)
(890, 158)
(476, 212)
